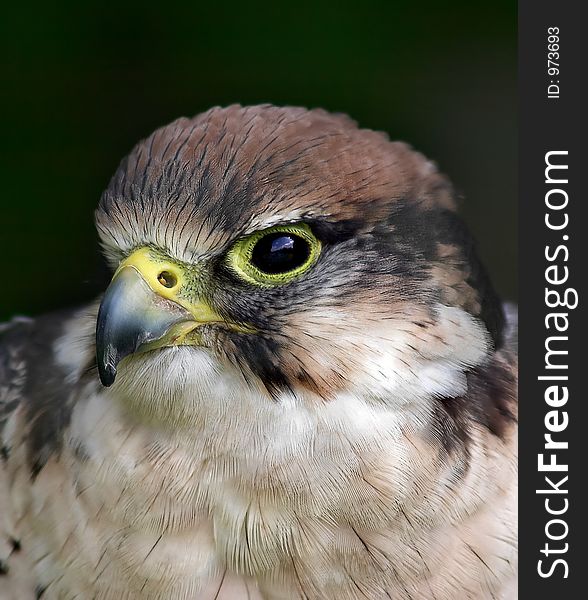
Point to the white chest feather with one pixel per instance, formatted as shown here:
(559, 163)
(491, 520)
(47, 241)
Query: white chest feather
(141, 515)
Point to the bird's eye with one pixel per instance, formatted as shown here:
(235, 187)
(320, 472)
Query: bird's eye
(280, 252)
(276, 255)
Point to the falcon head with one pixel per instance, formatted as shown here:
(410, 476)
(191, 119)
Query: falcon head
(293, 252)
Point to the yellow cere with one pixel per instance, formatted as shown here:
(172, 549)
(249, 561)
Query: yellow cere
(166, 279)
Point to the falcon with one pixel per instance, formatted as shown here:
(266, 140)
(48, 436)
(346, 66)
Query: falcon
(300, 382)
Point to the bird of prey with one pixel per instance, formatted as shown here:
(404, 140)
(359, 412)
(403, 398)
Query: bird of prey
(300, 382)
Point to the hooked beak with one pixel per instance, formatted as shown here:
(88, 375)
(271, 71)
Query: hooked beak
(141, 311)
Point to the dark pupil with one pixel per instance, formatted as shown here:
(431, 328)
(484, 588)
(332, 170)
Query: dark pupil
(280, 253)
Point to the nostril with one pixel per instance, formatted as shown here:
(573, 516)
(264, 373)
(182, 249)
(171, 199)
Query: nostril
(167, 279)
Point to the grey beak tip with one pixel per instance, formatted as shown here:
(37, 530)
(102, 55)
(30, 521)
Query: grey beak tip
(107, 376)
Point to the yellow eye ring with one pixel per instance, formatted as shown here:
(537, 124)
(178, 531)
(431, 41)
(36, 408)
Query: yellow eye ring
(274, 256)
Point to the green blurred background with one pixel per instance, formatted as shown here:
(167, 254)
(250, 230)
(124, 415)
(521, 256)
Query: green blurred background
(83, 83)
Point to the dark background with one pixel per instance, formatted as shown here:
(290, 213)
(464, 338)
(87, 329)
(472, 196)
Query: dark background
(82, 84)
